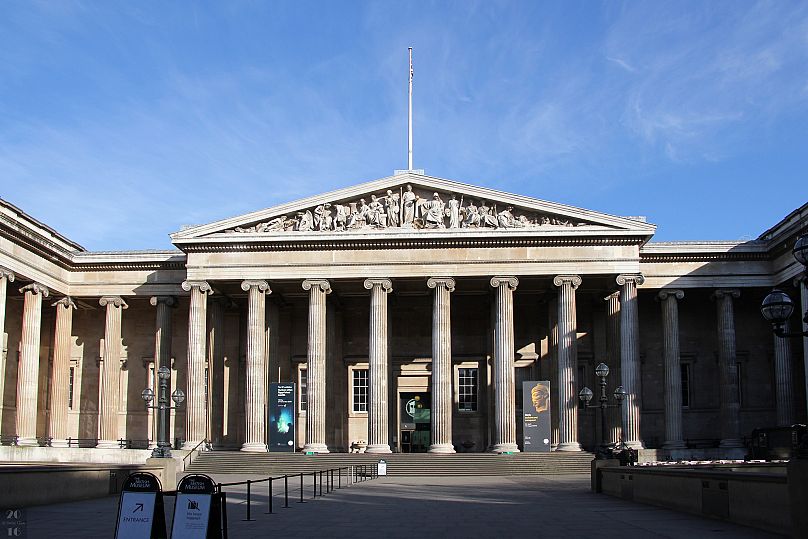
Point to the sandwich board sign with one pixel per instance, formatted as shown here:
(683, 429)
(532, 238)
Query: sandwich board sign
(140, 509)
(198, 511)
(382, 467)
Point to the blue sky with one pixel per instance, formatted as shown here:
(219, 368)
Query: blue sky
(122, 121)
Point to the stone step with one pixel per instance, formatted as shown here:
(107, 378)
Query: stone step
(397, 464)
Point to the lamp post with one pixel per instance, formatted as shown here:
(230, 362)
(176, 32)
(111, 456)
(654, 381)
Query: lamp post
(777, 306)
(163, 449)
(602, 371)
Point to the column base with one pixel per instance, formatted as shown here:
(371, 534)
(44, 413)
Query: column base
(731, 443)
(635, 444)
(27, 441)
(505, 448)
(58, 442)
(569, 446)
(188, 445)
(254, 447)
(108, 444)
(441, 448)
(315, 448)
(378, 448)
(674, 444)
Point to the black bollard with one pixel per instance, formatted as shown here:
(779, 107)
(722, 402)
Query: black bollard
(314, 482)
(321, 482)
(301, 488)
(286, 491)
(269, 480)
(249, 482)
(339, 477)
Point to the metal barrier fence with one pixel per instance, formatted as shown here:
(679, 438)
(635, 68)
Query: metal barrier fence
(331, 478)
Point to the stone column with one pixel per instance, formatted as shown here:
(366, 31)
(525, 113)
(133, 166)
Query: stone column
(728, 365)
(111, 373)
(784, 392)
(630, 359)
(802, 284)
(441, 365)
(504, 384)
(673, 369)
(378, 431)
(613, 414)
(28, 373)
(216, 372)
(6, 276)
(162, 351)
(567, 363)
(256, 394)
(315, 412)
(60, 382)
(195, 414)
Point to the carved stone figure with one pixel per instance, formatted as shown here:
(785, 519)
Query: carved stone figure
(340, 217)
(376, 216)
(486, 216)
(305, 221)
(433, 212)
(322, 217)
(408, 200)
(393, 208)
(454, 212)
(506, 219)
(471, 218)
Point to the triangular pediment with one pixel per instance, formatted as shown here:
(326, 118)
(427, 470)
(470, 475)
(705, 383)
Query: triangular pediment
(411, 204)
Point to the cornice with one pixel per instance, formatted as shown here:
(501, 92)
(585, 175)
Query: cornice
(404, 243)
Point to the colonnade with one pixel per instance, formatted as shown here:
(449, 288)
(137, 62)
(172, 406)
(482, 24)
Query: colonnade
(622, 317)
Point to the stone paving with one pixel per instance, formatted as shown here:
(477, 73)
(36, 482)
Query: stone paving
(407, 507)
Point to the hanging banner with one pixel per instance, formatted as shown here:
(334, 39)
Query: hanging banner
(140, 509)
(282, 417)
(536, 416)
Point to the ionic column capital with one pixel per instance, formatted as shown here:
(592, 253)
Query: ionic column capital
(203, 286)
(721, 293)
(447, 282)
(7, 274)
(573, 280)
(165, 300)
(636, 278)
(798, 280)
(67, 302)
(613, 295)
(262, 286)
(385, 284)
(665, 293)
(322, 284)
(510, 282)
(116, 301)
(36, 288)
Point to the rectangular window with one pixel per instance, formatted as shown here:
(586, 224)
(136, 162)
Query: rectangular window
(303, 378)
(467, 389)
(70, 387)
(685, 367)
(360, 390)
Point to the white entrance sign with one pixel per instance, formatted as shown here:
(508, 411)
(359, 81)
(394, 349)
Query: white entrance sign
(136, 514)
(382, 467)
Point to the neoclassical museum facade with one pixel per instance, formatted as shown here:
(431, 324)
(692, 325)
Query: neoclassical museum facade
(408, 288)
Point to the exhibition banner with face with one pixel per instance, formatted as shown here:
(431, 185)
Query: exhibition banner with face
(282, 417)
(536, 416)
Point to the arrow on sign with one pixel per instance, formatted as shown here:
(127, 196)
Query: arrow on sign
(138, 507)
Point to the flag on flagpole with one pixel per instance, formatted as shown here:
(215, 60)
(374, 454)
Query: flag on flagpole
(411, 71)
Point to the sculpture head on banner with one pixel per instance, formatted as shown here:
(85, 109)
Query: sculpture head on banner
(540, 397)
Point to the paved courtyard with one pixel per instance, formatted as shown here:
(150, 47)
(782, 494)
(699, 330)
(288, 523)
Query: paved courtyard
(408, 507)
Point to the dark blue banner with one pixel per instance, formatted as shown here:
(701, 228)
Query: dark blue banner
(282, 417)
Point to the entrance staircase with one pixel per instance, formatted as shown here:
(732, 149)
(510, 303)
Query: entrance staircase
(398, 464)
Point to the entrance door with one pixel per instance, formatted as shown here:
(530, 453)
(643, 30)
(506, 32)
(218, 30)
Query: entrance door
(415, 413)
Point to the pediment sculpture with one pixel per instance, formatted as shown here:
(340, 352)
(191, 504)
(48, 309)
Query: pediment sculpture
(406, 208)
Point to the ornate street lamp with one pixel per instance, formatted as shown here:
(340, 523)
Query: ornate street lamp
(777, 307)
(602, 371)
(163, 449)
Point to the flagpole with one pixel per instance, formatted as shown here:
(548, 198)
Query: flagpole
(409, 124)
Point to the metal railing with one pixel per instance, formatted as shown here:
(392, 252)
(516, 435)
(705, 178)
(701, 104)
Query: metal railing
(330, 478)
(189, 458)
